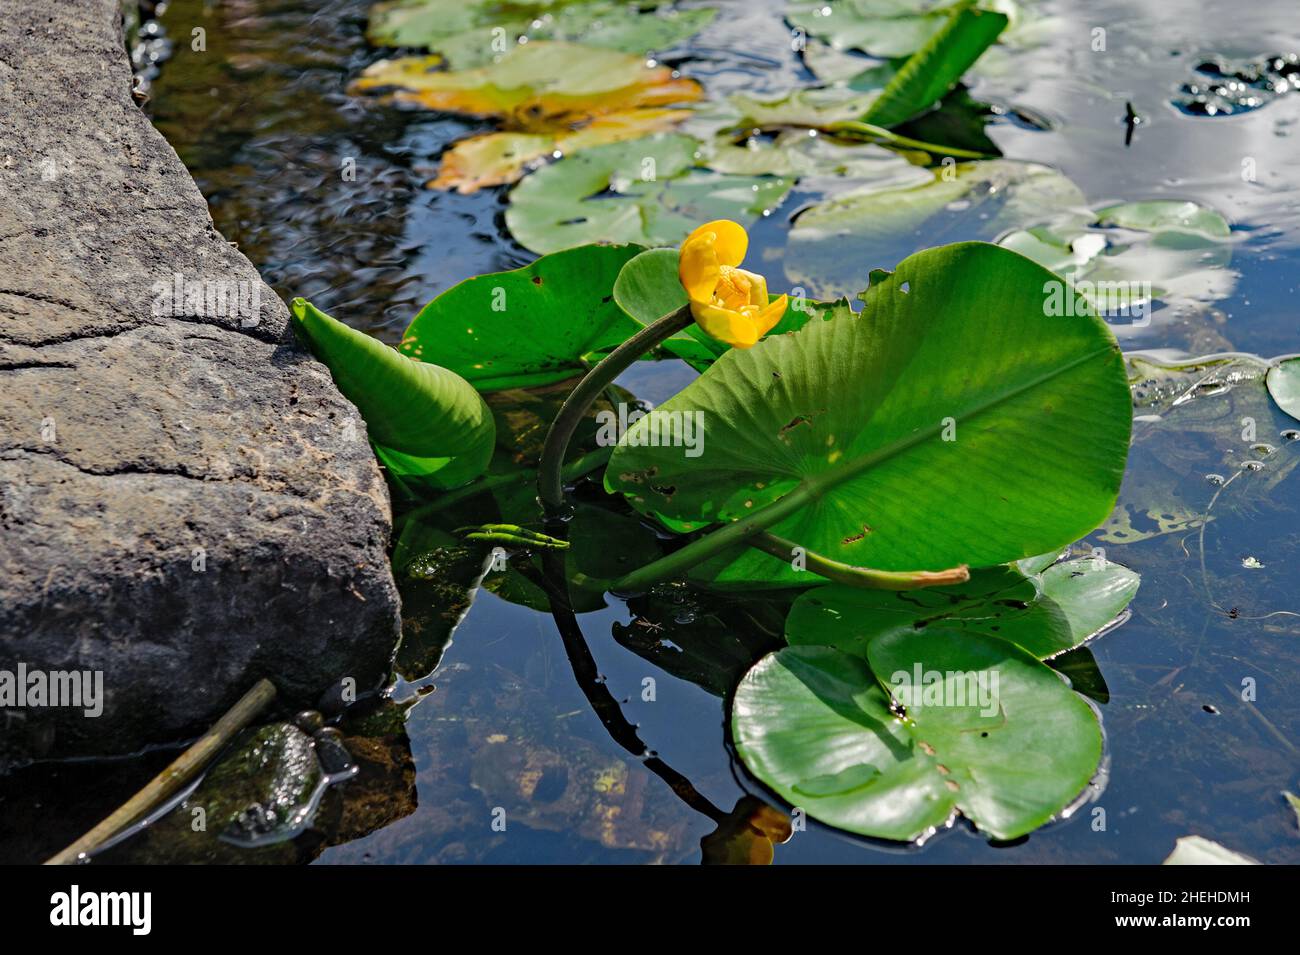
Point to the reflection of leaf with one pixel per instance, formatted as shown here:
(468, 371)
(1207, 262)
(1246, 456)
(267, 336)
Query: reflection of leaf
(814, 724)
(471, 32)
(534, 88)
(709, 642)
(1046, 615)
(536, 325)
(834, 242)
(747, 835)
(841, 421)
(495, 159)
(643, 190)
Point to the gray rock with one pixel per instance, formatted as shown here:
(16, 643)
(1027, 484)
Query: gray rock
(186, 501)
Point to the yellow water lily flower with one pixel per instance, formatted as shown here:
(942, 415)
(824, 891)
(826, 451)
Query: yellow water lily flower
(727, 302)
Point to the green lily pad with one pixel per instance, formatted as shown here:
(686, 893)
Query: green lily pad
(1197, 850)
(472, 32)
(1046, 615)
(1284, 385)
(815, 725)
(539, 324)
(834, 242)
(644, 191)
(841, 425)
(887, 28)
(1124, 256)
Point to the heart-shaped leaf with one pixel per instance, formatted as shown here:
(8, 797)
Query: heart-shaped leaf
(417, 410)
(543, 323)
(953, 421)
(644, 191)
(989, 732)
(1046, 614)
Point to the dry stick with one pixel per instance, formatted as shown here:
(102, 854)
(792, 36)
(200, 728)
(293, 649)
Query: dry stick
(167, 783)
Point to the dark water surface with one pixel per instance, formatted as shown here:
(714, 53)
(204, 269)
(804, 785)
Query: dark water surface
(263, 122)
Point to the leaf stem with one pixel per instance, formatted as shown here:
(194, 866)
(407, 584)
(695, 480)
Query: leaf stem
(550, 479)
(870, 131)
(865, 578)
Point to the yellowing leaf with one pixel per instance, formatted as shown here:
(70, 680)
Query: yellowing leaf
(495, 159)
(536, 88)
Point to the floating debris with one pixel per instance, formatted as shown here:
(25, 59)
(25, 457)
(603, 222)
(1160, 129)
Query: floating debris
(1222, 87)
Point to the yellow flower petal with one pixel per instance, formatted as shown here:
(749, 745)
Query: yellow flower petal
(769, 315)
(730, 240)
(757, 288)
(726, 325)
(697, 266)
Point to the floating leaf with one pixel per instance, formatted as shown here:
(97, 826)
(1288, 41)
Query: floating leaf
(1197, 850)
(1046, 615)
(539, 324)
(1124, 256)
(1284, 385)
(643, 191)
(814, 724)
(496, 159)
(473, 32)
(936, 67)
(414, 409)
(535, 88)
(842, 422)
(833, 242)
(888, 28)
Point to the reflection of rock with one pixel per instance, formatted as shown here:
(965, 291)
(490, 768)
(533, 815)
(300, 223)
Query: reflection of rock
(189, 504)
(493, 748)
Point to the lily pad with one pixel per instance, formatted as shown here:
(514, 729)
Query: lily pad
(1197, 850)
(539, 324)
(536, 88)
(840, 426)
(496, 159)
(834, 242)
(473, 32)
(1124, 256)
(815, 725)
(1047, 614)
(644, 191)
(1284, 385)
(886, 28)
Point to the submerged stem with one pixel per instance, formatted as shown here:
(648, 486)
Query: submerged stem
(550, 479)
(869, 131)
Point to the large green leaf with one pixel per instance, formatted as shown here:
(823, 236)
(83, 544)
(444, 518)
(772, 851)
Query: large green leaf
(849, 416)
(644, 191)
(833, 243)
(934, 69)
(814, 724)
(418, 410)
(1047, 614)
(470, 32)
(543, 323)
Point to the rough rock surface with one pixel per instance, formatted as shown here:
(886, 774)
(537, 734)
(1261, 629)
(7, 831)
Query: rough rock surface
(186, 501)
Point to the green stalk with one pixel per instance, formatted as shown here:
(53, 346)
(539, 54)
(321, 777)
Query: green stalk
(550, 479)
(863, 577)
(870, 131)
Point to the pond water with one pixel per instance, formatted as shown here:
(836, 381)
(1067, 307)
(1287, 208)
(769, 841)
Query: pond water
(520, 717)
